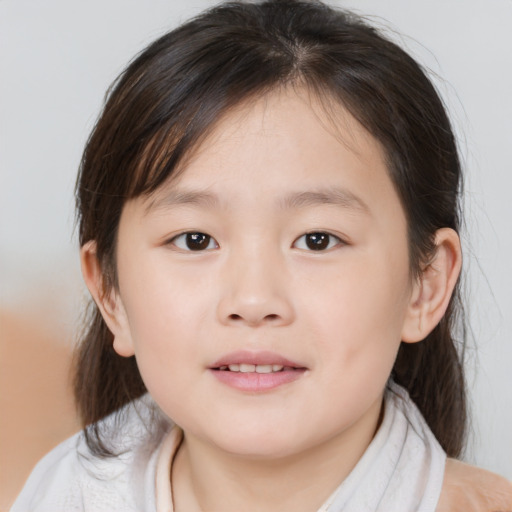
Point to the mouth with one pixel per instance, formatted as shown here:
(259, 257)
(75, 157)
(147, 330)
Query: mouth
(246, 361)
(256, 371)
(256, 368)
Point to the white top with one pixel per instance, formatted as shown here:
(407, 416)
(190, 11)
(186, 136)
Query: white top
(402, 469)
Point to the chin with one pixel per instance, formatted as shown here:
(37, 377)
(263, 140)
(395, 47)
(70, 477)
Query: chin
(260, 441)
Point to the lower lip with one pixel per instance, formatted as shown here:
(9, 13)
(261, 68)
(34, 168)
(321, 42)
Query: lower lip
(257, 382)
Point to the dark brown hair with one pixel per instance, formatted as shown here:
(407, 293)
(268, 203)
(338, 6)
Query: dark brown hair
(171, 95)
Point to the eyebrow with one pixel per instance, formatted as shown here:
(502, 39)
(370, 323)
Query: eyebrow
(184, 197)
(296, 200)
(331, 196)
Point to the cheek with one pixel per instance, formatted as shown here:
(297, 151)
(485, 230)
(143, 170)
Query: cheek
(356, 324)
(167, 312)
(358, 313)
(162, 297)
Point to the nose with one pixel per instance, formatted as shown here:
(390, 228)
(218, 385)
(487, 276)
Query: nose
(255, 291)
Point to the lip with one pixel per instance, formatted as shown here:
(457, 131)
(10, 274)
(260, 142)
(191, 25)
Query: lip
(252, 381)
(259, 357)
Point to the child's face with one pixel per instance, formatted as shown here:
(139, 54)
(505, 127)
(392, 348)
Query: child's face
(256, 291)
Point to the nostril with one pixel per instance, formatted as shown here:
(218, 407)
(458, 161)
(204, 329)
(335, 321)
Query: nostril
(267, 318)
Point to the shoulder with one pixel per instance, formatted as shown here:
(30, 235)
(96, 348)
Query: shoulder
(70, 478)
(56, 474)
(470, 489)
(74, 479)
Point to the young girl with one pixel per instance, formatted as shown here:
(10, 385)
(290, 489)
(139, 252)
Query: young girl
(269, 209)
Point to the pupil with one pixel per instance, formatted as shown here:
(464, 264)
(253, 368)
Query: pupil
(197, 241)
(317, 241)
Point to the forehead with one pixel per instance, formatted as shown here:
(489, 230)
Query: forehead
(289, 144)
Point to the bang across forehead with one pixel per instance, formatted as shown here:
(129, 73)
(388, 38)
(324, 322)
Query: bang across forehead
(168, 152)
(169, 98)
(172, 94)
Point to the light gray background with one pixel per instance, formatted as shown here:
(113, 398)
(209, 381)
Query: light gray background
(58, 57)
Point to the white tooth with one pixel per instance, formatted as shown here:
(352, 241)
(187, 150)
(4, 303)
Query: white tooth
(263, 368)
(247, 368)
(223, 368)
(277, 367)
(234, 367)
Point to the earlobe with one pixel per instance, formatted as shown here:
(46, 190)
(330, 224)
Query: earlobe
(108, 300)
(433, 289)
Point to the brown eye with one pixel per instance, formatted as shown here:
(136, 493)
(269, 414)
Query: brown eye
(317, 241)
(194, 242)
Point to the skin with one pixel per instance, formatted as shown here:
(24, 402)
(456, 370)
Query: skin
(470, 489)
(340, 313)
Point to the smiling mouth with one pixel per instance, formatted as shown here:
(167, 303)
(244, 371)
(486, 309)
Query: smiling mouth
(257, 378)
(256, 368)
(256, 371)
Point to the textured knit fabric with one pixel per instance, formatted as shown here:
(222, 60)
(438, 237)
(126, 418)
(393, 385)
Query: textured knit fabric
(71, 479)
(402, 470)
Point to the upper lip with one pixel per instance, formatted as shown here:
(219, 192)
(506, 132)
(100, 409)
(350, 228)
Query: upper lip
(254, 357)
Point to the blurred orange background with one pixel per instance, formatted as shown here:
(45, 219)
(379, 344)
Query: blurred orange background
(36, 404)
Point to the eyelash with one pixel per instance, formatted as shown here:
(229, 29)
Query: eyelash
(207, 238)
(191, 234)
(329, 236)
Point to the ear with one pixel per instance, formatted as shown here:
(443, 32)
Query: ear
(433, 289)
(108, 300)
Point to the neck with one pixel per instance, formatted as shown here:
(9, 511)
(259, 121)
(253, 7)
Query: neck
(206, 478)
